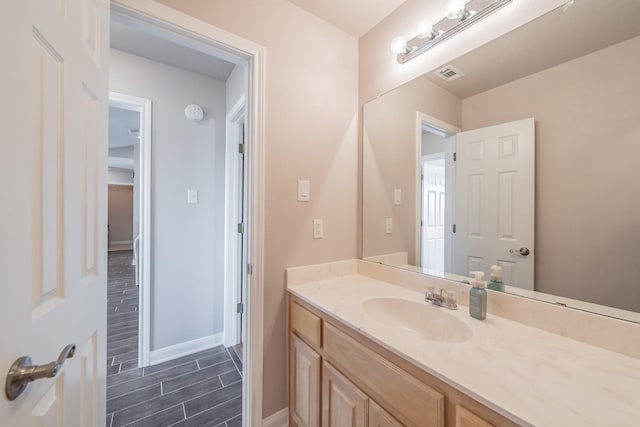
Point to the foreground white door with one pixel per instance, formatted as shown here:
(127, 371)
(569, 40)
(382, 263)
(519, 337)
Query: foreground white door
(495, 186)
(53, 212)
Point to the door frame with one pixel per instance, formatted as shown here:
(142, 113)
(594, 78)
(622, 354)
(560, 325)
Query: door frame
(143, 262)
(438, 126)
(234, 121)
(206, 37)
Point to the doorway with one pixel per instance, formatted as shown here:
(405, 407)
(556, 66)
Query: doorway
(435, 146)
(249, 268)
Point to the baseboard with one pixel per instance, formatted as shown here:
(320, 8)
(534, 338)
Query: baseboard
(279, 419)
(182, 349)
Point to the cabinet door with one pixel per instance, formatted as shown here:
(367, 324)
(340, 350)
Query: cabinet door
(305, 385)
(378, 417)
(343, 404)
(466, 418)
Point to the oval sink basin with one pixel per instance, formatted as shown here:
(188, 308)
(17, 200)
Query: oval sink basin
(420, 319)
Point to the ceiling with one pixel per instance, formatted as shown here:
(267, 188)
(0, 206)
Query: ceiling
(137, 42)
(355, 17)
(550, 40)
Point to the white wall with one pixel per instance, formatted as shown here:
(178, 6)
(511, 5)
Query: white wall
(186, 239)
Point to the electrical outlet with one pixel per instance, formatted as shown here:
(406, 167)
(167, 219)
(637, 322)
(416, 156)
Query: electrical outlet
(388, 225)
(318, 229)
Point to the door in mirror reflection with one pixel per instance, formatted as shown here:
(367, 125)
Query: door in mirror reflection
(484, 213)
(494, 203)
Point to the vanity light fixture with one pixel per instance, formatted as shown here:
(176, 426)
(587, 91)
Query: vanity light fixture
(460, 15)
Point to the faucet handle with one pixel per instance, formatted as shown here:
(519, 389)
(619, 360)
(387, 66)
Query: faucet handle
(449, 296)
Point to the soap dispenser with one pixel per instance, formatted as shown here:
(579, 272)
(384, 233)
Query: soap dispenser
(478, 297)
(495, 283)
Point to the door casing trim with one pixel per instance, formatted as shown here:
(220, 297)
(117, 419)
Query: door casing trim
(206, 37)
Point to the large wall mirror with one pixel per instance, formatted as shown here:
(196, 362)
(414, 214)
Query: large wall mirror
(523, 153)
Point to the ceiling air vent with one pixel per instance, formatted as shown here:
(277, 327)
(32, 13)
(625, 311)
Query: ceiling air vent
(449, 73)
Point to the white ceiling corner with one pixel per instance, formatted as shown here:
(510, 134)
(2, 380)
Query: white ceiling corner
(137, 42)
(355, 17)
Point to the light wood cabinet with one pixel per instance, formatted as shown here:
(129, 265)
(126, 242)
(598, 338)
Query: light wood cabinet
(415, 403)
(343, 404)
(466, 418)
(339, 378)
(307, 324)
(305, 385)
(378, 417)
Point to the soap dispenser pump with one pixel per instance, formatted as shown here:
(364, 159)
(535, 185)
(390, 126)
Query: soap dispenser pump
(478, 297)
(495, 283)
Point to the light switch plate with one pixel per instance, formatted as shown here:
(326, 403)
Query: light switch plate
(192, 196)
(318, 229)
(304, 190)
(388, 225)
(397, 196)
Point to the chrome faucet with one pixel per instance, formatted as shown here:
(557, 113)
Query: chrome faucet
(446, 299)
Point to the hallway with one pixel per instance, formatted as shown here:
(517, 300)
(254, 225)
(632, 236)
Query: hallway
(202, 389)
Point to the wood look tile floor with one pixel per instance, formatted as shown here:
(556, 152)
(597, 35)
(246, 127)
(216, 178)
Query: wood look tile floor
(201, 389)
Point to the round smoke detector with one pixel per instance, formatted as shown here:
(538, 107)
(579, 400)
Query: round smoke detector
(194, 112)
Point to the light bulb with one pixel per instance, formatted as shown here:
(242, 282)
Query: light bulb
(425, 29)
(398, 45)
(455, 8)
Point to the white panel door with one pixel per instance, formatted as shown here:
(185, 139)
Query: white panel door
(53, 217)
(433, 216)
(494, 207)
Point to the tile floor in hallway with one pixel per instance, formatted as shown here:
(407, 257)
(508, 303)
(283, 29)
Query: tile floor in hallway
(202, 389)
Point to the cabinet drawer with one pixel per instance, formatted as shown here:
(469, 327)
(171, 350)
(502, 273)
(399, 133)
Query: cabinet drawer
(466, 418)
(412, 402)
(306, 324)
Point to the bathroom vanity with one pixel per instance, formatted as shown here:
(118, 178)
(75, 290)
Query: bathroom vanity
(367, 350)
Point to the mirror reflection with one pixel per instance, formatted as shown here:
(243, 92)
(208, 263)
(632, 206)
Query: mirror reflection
(523, 154)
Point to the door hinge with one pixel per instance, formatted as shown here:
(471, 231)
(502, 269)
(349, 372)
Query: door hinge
(249, 269)
(239, 308)
(455, 157)
(454, 228)
(241, 148)
(241, 228)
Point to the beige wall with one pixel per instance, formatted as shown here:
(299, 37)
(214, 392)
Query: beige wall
(587, 187)
(389, 162)
(311, 133)
(120, 213)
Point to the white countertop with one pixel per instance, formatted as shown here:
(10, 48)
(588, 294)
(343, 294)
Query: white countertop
(528, 375)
